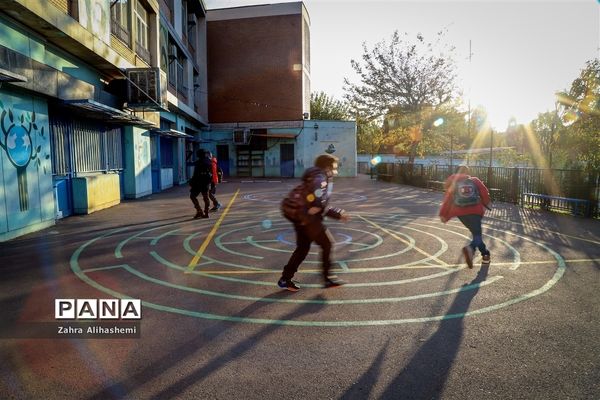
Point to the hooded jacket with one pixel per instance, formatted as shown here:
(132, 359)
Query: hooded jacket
(319, 188)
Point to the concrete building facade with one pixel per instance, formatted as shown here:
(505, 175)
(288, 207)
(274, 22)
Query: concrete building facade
(259, 94)
(105, 100)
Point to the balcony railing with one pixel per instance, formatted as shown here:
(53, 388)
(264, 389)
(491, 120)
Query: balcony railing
(177, 85)
(143, 53)
(119, 31)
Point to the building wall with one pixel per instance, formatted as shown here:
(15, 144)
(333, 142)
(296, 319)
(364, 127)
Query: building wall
(255, 68)
(334, 137)
(26, 192)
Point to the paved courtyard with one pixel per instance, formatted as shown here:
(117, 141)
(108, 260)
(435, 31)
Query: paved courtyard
(412, 322)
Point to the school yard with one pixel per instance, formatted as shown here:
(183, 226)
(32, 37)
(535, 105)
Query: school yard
(412, 322)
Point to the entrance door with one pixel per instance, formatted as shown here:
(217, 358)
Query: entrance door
(223, 158)
(155, 162)
(286, 160)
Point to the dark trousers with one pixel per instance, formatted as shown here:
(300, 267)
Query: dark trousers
(473, 223)
(194, 192)
(212, 192)
(305, 235)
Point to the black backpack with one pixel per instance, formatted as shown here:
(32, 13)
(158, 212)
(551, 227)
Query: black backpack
(202, 173)
(294, 206)
(466, 193)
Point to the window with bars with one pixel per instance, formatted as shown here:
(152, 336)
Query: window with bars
(79, 146)
(119, 13)
(177, 72)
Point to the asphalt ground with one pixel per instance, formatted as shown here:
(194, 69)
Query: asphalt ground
(412, 322)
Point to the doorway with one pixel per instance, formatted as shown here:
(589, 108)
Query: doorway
(286, 164)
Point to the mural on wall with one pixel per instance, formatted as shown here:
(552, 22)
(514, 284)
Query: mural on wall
(16, 141)
(142, 151)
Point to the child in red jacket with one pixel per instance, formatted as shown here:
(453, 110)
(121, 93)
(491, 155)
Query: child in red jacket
(465, 198)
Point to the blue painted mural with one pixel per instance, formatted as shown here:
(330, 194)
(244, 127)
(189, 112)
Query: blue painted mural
(16, 141)
(26, 180)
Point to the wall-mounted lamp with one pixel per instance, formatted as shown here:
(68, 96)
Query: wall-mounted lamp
(316, 126)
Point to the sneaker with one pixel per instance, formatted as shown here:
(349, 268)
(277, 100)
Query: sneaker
(333, 281)
(288, 284)
(198, 215)
(468, 253)
(485, 259)
(216, 207)
(205, 215)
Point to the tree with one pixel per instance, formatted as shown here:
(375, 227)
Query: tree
(324, 107)
(547, 128)
(405, 80)
(580, 113)
(370, 136)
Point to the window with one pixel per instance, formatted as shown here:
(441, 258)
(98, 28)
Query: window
(119, 13)
(184, 18)
(82, 146)
(141, 25)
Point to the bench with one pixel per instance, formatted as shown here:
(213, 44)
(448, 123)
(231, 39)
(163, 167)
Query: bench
(436, 185)
(547, 202)
(495, 194)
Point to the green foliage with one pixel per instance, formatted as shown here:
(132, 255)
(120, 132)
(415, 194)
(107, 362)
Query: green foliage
(324, 107)
(370, 136)
(405, 82)
(569, 137)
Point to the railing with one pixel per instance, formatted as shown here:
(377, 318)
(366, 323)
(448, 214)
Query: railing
(119, 31)
(508, 183)
(143, 53)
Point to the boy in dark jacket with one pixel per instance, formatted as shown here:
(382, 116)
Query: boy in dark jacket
(465, 198)
(316, 183)
(200, 183)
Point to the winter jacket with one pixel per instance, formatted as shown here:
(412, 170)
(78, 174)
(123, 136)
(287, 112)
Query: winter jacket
(216, 170)
(319, 189)
(449, 209)
(202, 173)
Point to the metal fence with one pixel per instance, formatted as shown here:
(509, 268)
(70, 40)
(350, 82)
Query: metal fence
(79, 146)
(505, 184)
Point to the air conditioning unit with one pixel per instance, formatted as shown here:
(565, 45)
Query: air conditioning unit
(241, 136)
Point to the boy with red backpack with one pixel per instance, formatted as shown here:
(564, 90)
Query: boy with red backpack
(305, 207)
(465, 198)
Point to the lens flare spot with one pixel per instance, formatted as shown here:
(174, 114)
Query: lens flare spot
(267, 224)
(318, 193)
(310, 197)
(376, 160)
(438, 122)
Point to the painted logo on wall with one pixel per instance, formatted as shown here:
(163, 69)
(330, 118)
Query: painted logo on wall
(15, 139)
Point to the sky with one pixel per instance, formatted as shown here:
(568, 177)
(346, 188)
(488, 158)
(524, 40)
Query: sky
(522, 52)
